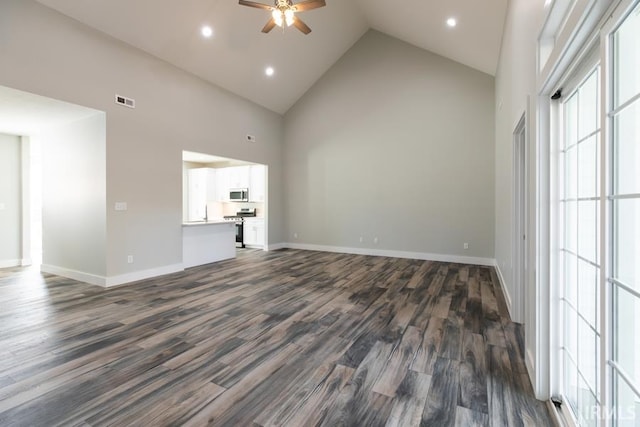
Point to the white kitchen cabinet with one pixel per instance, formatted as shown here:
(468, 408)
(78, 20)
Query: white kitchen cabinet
(222, 187)
(237, 176)
(254, 232)
(230, 178)
(257, 183)
(201, 189)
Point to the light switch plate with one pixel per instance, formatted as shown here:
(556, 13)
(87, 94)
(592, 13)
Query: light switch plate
(121, 206)
(2, 206)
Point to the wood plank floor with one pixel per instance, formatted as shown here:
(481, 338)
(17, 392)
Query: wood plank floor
(287, 337)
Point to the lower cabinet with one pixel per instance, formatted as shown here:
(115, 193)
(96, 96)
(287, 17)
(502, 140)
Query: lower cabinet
(254, 232)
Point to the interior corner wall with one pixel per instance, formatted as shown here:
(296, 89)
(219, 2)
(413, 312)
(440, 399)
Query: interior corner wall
(516, 94)
(10, 201)
(394, 143)
(74, 196)
(175, 111)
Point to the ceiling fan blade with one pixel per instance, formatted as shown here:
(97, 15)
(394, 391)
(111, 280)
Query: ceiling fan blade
(254, 4)
(269, 25)
(308, 5)
(297, 22)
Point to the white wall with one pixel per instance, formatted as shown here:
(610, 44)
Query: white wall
(397, 143)
(74, 196)
(46, 53)
(515, 84)
(10, 201)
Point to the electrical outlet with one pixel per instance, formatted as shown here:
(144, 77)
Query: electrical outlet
(251, 138)
(121, 206)
(130, 259)
(466, 246)
(375, 240)
(2, 206)
(295, 235)
(361, 239)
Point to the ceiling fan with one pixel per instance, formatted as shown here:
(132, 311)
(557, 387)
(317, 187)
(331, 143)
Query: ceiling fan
(283, 12)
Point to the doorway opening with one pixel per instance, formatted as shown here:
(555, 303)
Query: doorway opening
(224, 189)
(520, 218)
(49, 199)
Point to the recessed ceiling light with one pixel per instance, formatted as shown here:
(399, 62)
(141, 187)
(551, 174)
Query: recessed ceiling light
(206, 31)
(452, 22)
(269, 71)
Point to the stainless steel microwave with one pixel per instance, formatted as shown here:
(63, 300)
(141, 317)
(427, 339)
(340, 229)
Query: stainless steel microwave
(239, 195)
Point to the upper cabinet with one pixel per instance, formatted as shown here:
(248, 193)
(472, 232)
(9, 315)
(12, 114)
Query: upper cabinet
(237, 176)
(251, 177)
(257, 183)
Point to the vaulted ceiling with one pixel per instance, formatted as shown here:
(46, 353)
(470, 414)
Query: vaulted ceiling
(237, 54)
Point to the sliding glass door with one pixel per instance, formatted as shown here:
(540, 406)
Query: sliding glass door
(580, 205)
(599, 229)
(624, 199)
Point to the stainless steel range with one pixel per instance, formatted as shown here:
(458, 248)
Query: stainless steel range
(239, 220)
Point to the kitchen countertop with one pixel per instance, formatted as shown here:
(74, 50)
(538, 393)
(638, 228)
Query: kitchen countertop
(209, 222)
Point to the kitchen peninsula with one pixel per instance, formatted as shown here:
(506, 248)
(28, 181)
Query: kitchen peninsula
(204, 242)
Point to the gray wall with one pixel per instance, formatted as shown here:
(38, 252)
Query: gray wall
(516, 94)
(10, 201)
(175, 111)
(74, 196)
(397, 143)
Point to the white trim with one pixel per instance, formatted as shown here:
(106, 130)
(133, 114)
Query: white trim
(26, 262)
(81, 276)
(559, 417)
(576, 30)
(275, 246)
(530, 363)
(107, 282)
(546, 244)
(263, 247)
(520, 191)
(394, 254)
(505, 291)
(6, 263)
(134, 276)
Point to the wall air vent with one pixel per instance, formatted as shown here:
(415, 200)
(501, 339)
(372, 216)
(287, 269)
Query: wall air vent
(127, 102)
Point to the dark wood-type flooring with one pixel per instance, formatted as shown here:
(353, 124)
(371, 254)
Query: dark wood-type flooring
(286, 337)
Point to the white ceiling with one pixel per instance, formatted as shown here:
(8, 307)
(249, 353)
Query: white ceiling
(236, 56)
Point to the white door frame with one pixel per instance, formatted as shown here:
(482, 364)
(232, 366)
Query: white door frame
(520, 218)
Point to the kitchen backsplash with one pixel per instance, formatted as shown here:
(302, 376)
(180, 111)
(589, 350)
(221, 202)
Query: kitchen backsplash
(221, 209)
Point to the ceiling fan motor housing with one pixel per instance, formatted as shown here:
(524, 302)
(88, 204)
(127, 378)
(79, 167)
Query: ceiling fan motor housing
(284, 5)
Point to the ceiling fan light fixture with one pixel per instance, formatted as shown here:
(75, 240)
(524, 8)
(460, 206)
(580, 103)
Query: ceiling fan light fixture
(277, 17)
(288, 15)
(284, 12)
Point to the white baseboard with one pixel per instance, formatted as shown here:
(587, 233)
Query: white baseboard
(530, 364)
(391, 253)
(505, 291)
(92, 279)
(276, 246)
(6, 263)
(134, 276)
(122, 279)
(107, 282)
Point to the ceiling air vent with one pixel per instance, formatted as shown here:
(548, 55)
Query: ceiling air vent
(127, 102)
